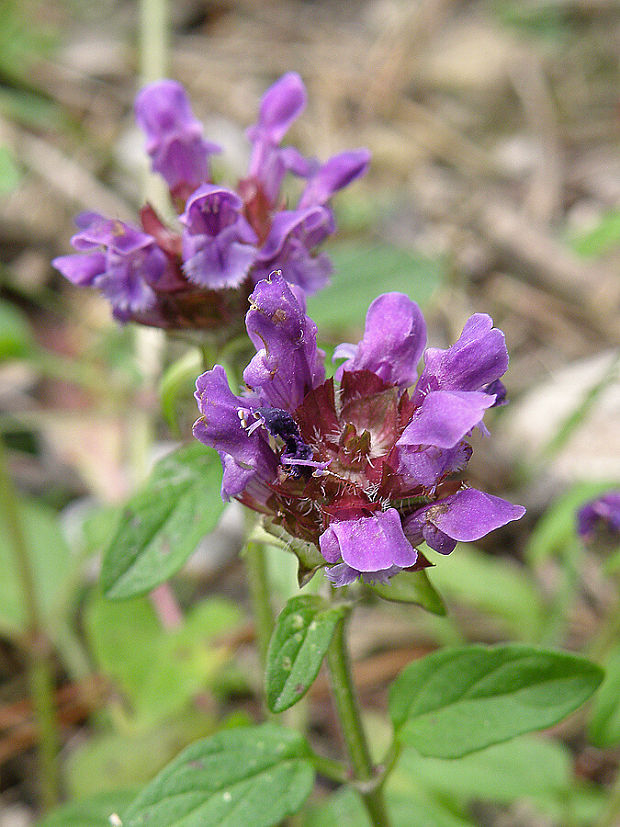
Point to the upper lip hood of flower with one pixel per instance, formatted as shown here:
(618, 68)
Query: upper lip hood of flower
(364, 473)
(174, 137)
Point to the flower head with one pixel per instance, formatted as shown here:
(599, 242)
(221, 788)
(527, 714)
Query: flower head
(600, 518)
(200, 274)
(365, 471)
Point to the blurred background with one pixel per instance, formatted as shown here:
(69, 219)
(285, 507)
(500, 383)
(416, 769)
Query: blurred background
(494, 187)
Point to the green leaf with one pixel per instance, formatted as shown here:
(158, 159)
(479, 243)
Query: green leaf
(411, 587)
(15, 334)
(50, 559)
(108, 761)
(255, 776)
(159, 671)
(93, 812)
(527, 767)
(423, 811)
(164, 522)
(605, 724)
(361, 272)
(299, 642)
(523, 767)
(498, 587)
(457, 701)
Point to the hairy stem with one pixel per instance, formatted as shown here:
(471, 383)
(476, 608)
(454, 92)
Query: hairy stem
(258, 583)
(352, 729)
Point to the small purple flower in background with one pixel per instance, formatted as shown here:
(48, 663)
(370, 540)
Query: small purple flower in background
(599, 519)
(230, 239)
(365, 472)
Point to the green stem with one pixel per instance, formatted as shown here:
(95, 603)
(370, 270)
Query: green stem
(154, 66)
(35, 642)
(258, 583)
(350, 719)
(329, 768)
(41, 681)
(153, 39)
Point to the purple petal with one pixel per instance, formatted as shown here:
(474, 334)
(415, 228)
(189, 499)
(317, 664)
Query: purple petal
(174, 136)
(221, 428)
(97, 232)
(445, 417)
(368, 544)
(124, 283)
(293, 235)
(288, 363)
(341, 575)
(218, 243)
(426, 466)
(310, 226)
(472, 514)
(393, 341)
(216, 263)
(281, 104)
(437, 539)
(602, 512)
(467, 515)
(81, 269)
(337, 173)
(478, 358)
(211, 208)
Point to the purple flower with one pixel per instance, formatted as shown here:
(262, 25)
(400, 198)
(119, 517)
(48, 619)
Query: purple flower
(467, 515)
(368, 545)
(232, 239)
(444, 418)
(174, 137)
(600, 518)
(287, 366)
(218, 243)
(365, 474)
(219, 426)
(288, 363)
(281, 104)
(473, 363)
(393, 341)
(294, 234)
(123, 262)
(334, 175)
